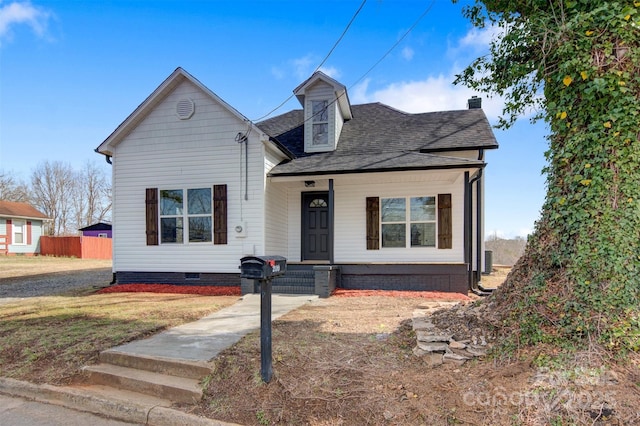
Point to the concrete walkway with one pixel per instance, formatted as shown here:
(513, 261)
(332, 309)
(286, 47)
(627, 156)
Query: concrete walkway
(197, 342)
(204, 339)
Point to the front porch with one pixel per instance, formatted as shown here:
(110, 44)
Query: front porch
(323, 279)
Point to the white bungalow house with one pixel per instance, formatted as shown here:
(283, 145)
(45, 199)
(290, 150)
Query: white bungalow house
(366, 196)
(21, 226)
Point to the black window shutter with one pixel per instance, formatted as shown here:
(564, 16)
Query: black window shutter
(445, 222)
(373, 223)
(152, 216)
(220, 214)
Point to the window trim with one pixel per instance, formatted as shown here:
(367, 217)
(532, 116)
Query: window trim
(185, 216)
(220, 219)
(315, 121)
(407, 222)
(21, 224)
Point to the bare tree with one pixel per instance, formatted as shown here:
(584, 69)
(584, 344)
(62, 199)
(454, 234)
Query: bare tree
(11, 189)
(52, 190)
(92, 196)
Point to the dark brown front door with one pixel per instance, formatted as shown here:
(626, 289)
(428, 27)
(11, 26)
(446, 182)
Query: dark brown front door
(315, 226)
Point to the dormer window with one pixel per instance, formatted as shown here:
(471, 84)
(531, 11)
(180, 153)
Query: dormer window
(320, 122)
(326, 109)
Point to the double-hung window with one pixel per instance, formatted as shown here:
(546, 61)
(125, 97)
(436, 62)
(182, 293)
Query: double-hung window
(19, 231)
(320, 121)
(185, 213)
(408, 222)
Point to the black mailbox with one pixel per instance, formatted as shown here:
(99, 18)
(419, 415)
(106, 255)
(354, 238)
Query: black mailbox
(262, 267)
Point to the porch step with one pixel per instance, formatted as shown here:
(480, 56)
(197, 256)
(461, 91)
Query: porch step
(173, 388)
(295, 281)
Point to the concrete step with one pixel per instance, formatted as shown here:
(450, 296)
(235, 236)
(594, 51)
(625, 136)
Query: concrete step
(123, 396)
(294, 281)
(176, 389)
(293, 289)
(172, 367)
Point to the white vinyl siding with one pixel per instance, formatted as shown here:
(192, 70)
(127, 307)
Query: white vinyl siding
(350, 226)
(350, 194)
(166, 152)
(275, 211)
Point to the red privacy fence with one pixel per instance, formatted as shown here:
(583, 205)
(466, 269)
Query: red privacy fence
(81, 247)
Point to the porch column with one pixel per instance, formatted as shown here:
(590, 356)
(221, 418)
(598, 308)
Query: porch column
(331, 224)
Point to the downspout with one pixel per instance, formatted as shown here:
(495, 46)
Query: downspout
(479, 228)
(468, 200)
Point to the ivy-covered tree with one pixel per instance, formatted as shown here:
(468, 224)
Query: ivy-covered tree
(577, 63)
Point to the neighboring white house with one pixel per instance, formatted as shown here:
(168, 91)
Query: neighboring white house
(388, 199)
(20, 228)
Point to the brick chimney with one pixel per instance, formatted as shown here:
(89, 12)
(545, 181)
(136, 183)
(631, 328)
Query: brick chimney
(474, 103)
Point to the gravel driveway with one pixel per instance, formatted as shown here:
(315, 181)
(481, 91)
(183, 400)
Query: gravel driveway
(54, 283)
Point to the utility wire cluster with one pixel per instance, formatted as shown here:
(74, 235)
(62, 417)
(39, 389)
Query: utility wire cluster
(426, 11)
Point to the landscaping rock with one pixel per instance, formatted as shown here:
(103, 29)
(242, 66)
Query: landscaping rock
(452, 335)
(457, 345)
(427, 336)
(433, 346)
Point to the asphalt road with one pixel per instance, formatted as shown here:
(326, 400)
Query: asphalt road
(20, 412)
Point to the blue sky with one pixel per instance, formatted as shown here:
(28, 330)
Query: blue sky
(72, 71)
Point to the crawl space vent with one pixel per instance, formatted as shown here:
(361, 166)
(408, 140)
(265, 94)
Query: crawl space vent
(185, 109)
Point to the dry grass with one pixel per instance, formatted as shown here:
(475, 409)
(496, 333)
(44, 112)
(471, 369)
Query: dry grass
(23, 266)
(48, 339)
(497, 277)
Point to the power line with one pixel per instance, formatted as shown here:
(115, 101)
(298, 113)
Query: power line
(415, 24)
(321, 63)
(426, 11)
(341, 36)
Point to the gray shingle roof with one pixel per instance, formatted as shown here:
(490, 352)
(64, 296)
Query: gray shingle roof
(380, 138)
(336, 163)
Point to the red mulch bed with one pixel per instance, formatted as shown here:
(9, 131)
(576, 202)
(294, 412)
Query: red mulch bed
(177, 289)
(439, 295)
(235, 291)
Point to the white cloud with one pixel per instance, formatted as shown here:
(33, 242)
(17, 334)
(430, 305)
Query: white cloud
(332, 72)
(407, 53)
(302, 67)
(434, 93)
(16, 13)
(480, 38)
(437, 92)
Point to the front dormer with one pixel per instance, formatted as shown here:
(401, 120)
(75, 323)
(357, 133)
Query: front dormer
(326, 108)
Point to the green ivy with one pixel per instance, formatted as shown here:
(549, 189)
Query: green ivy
(578, 63)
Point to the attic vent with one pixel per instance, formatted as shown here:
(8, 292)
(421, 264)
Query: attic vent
(185, 109)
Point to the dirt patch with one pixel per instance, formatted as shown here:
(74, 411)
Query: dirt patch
(497, 276)
(349, 360)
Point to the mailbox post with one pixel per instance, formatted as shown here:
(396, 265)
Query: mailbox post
(263, 269)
